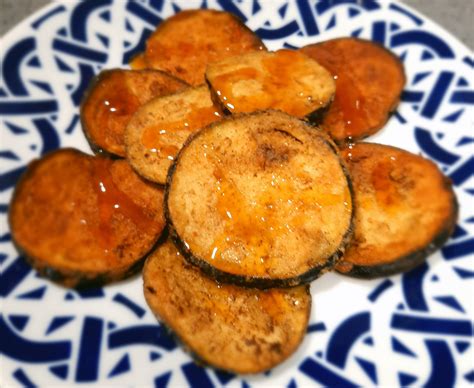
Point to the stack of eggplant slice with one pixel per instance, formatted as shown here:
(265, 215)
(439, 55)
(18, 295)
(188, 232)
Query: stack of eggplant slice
(240, 175)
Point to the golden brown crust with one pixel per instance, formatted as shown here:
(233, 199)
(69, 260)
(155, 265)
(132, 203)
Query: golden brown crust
(405, 209)
(185, 43)
(112, 99)
(260, 200)
(369, 83)
(229, 327)
(82, 219)
(286, 80)
(159, 129)
(138, 62)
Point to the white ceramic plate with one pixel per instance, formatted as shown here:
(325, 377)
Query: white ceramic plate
(411, 329)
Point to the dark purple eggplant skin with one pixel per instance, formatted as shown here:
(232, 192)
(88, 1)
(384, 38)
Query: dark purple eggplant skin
(316, 117)
(247, 281)
(413, 259)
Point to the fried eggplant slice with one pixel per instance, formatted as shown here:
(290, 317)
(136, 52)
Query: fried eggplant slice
(369, 82)
(82, 220)
(228, 327)
(159, 129)
(138, 62)
(285, 80)
(260, 200)
(113, 97)
(405, 209)
(185, 43)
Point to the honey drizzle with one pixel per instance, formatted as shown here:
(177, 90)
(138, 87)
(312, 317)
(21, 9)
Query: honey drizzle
(381, 177)
(352, 105)
(162, 138)
(116, 104)
(275, 304)
(348, 98)
(251, 226)
(279, 87)
(111, 200)
(386, 191)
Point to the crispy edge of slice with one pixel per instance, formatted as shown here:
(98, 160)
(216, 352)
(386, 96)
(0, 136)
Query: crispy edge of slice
(89, 93)
(194, 78)
(162, 314)
(404, 263)
(413, 258)
(65, 276)
(315, 117)
(259, 282)
(80, 280)
(153, 168)
(319, 119)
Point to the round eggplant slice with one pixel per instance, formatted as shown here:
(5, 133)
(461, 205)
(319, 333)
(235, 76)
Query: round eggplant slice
(369, 81)
(285, 80)
(185, 43)
(112, 99)
(82, 220)
(260, 200)
(405, 210)
(231, 328)
(159, 129)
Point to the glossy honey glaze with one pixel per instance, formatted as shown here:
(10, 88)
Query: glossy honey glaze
(111, 201)
(383, 177)
(349, 101)
(109, 108)
(383, 182)
(273, 85)
(165, 138)
(275, 303)
(251, 225)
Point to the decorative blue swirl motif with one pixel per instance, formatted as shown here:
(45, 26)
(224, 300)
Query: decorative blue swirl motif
(13, 275)
(21, 349)
(11, 63)
(108, 335)
(344, 337)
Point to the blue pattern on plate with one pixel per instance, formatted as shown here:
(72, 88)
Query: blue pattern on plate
(429, 324)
